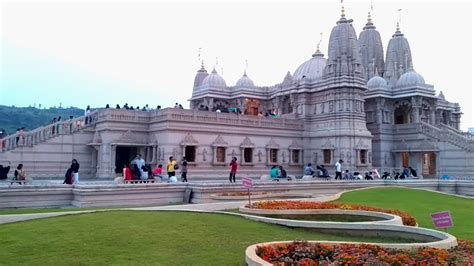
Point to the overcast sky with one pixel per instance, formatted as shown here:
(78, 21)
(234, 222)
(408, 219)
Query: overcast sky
(80, 53)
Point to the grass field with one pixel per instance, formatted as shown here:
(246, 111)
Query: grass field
(131, 237)
(420, 204)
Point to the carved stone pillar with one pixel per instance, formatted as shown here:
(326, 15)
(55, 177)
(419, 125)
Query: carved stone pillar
(379, 111)
(415, 110)
(104, 161)
(432, 117)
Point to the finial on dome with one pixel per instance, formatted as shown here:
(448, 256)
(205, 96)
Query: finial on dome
(397, 31)
(369, 18)
(343, 15)
(246, 66)
(202, 64)
(318, 51)
(214, 70)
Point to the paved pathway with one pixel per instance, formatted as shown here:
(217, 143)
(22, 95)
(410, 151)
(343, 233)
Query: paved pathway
(219, 206)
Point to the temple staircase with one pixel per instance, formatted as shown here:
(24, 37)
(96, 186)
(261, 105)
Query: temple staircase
(449, 134)
(45, 133)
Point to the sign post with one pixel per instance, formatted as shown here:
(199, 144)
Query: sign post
(247, 182)
(442, 220)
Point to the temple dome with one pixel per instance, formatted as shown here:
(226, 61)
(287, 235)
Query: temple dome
(311, 69)
(376, 82)
(214, 80)
(244, 82)
(410, 78)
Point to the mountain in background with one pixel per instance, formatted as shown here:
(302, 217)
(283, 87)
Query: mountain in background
(12, 118)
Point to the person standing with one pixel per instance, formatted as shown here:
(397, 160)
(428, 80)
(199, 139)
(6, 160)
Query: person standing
(87, 112)
(184, 170)
(140, 163)
(75, 171)
(171, 167)
(233, 169)
(339, 169)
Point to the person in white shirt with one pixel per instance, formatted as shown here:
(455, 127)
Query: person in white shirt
(339, 169)
(140, 163)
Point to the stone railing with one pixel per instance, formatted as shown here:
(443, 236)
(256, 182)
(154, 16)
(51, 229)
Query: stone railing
(41, 134)
(230, 119)
(185, 115)
(447, 133)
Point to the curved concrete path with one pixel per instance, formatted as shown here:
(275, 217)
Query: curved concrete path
(220, 206)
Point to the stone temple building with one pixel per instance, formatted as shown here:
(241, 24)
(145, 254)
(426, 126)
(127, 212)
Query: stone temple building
(369, 108)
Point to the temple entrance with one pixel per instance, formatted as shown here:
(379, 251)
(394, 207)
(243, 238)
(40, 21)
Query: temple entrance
(429, 164)
(123, 156)
(405, 159)
(251, 106)
(286, 106)
(401, 115)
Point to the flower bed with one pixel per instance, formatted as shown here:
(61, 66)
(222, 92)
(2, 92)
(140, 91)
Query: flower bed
(304, 253)
(241, 193)
(308, 205)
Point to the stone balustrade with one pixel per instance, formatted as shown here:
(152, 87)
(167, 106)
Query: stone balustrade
(447, 133)
(41, 134)
(185, 115)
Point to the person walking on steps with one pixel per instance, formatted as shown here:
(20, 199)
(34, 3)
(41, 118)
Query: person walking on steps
(233, 169)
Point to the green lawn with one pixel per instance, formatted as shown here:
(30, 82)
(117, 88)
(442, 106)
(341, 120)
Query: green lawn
(137, 237)
(420, 204)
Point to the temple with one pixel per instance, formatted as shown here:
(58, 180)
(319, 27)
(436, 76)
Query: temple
(355, 104)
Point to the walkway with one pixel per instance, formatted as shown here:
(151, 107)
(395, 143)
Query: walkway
(220, 206)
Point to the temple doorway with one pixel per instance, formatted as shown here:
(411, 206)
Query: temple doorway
(429, 164)
(251, 106)
(123, 156)
(405, 159)
(401, 115)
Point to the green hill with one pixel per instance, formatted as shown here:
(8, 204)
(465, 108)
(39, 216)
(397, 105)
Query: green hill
(30, 118)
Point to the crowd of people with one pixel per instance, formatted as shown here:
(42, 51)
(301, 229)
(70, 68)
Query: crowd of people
(139, 170)
(322, 172)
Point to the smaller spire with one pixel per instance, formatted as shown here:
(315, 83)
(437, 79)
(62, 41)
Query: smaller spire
(343, 14)
(318, 51)
(214, 70)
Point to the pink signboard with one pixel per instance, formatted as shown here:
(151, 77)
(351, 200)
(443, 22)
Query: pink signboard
(442, 219)
(247, 182)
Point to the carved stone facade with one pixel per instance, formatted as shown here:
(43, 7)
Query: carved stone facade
(365, 111)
